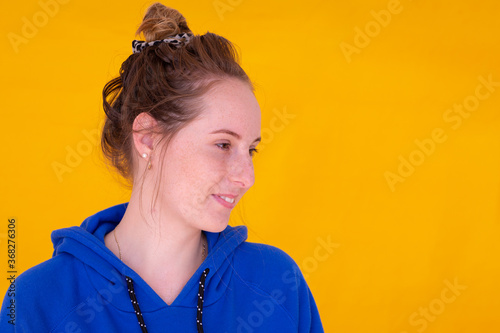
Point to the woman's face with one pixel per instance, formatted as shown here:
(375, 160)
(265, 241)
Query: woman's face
(203, 162)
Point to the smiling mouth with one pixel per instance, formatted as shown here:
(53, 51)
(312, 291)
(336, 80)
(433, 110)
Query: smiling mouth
(224, 201)
(230, 200)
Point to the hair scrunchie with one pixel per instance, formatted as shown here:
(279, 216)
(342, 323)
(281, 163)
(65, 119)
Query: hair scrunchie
(177, 41)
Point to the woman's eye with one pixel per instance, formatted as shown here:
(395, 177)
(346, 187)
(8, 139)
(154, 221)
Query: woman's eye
(222, 144)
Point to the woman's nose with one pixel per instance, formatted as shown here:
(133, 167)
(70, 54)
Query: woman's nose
(242, 171)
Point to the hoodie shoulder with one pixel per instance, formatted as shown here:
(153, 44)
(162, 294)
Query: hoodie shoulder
(50, 284)
(266, 266)
(268, 270)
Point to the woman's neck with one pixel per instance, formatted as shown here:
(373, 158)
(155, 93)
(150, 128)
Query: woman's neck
(161, 251)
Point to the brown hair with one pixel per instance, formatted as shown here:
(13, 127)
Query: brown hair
(164, 81)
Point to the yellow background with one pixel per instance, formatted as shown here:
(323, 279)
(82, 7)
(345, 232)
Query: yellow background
(321, 173)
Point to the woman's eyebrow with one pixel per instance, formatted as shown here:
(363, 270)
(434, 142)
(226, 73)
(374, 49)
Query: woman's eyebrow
(236, 135)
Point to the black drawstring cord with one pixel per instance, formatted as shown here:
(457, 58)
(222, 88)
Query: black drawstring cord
(133, 299)
(199, 312)
(201, 292)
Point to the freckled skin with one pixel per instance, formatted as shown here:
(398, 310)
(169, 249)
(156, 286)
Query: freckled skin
(195, 167)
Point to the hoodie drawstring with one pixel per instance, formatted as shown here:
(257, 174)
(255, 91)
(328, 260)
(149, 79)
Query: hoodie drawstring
(199, 308)
(201, 292)
(133, 299)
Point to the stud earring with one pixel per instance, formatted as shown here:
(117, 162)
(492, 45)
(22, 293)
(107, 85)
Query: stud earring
(145, 155)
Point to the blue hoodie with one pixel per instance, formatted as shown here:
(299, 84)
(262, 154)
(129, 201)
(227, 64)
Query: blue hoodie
(240, 287)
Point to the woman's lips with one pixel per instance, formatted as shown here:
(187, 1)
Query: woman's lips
(224, 202)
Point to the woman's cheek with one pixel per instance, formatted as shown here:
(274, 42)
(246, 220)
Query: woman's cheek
(215, 157)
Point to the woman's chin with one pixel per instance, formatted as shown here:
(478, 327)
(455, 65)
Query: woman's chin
(216, 226)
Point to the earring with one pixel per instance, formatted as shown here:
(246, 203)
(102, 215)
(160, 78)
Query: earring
(149, 162)
(145, 155)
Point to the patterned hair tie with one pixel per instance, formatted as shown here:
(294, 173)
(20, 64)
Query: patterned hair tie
(138, 45)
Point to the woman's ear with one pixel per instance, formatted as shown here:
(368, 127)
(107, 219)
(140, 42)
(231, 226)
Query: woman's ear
(143, 136)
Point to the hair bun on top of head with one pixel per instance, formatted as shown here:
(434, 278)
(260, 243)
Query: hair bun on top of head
(162, 24)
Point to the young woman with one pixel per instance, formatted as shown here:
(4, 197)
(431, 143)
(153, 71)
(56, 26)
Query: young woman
(182, 125)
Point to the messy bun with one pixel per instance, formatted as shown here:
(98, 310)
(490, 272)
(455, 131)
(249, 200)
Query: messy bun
(164, 81)
(161, 22)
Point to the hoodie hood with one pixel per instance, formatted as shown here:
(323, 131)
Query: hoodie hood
(108, 274)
